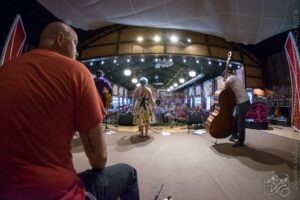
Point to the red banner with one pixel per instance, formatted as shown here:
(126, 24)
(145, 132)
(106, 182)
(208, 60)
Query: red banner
(14, 41)
(292, 54)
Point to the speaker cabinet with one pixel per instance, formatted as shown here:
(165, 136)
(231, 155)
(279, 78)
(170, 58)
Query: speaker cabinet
(126, 119)
(196, 118)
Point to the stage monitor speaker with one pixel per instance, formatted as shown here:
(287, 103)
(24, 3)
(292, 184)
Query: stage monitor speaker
(126, 119)
(194, 119)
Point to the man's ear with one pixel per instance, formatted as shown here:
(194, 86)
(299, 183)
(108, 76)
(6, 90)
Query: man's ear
(60, 39)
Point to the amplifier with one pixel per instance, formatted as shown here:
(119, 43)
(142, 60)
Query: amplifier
(126, 119)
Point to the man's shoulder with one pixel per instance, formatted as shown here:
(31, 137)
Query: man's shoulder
(55, 55)
(99, 79)
(232, 78)
(102, 80)
(44, 57)
(148, 89)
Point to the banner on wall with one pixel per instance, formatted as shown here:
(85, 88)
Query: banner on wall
(121, 92)
(292, 54)
(207, 85)
(115, 90)
(198, 90)
(14, 42)
(125, 92)
(191, 91)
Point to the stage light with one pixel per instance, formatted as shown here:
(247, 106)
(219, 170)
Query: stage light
(102, 62)
(192, 73)
(134, 80)
(174, 39)
(140, 39)
(142, 59)
(209, 62)
(127, 72)
(181, 80)
(91, 63)
(156, 38)
(189, 40)
(175, 85)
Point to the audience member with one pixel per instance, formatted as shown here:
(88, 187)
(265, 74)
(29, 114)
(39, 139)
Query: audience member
(46, 96)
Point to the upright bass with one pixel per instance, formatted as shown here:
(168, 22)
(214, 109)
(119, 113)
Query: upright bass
(221, 122)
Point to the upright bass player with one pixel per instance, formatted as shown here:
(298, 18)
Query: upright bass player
(221, 123)
(241, 108)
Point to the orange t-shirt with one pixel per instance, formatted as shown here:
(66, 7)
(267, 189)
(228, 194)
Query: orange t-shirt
(44, 99)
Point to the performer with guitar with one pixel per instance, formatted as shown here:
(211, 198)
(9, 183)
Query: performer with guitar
(242, 105)
(105, 91)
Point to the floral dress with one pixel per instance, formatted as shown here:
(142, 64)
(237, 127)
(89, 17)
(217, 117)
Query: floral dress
(143, 114)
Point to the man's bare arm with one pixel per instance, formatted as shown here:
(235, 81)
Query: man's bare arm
(94, 145)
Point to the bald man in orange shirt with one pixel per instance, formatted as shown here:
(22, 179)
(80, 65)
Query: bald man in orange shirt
(46, 96)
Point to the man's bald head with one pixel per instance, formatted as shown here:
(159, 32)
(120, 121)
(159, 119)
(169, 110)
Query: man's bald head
(59, 37)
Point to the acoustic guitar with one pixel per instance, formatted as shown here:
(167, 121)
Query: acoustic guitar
(107, 100)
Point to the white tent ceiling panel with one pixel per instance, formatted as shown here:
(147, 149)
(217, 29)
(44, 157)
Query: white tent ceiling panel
(248, 24)
(243, 21)
(275, 9)
(224, 6)
(270, 25)
(251, 9)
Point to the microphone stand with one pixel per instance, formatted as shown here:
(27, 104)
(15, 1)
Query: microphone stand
(106, 119)
(156, 197)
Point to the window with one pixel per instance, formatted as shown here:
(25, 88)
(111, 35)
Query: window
(198, 90)
(121, 101)
(115, 101)
(197, 101)
(208, 98)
